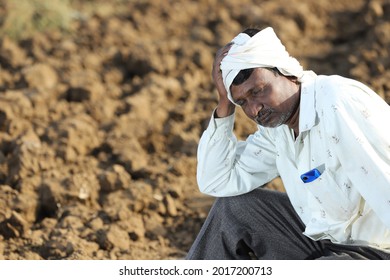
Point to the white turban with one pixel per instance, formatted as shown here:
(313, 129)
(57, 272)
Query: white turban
(264, 49)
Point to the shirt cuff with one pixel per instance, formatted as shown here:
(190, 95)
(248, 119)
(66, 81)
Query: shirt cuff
(219, 126)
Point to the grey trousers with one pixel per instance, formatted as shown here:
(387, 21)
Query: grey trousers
(262, 224)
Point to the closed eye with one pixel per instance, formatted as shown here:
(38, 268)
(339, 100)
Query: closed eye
(258, 91)
(240, 102)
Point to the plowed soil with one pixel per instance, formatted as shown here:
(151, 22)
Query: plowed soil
(99, 126)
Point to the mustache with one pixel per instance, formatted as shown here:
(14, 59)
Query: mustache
(262, 114)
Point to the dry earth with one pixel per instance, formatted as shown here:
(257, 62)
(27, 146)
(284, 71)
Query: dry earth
(99, 126)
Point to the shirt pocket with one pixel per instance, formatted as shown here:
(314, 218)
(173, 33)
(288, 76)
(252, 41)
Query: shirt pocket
(329, 197)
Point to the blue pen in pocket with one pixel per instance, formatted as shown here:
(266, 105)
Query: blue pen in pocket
(310, 175)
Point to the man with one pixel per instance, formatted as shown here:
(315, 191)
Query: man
(328, 139)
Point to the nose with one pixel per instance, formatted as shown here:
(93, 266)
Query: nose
(254, 109)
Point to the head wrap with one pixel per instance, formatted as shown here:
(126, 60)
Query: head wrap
(264, 49)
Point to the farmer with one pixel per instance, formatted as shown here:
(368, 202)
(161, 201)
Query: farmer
(327, 137)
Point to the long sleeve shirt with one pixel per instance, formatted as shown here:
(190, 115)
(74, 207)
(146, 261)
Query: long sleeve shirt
(343, 132)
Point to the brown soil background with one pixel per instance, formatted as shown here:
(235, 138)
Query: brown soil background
(99, 126)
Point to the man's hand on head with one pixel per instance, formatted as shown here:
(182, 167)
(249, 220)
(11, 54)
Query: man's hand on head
(225, 107)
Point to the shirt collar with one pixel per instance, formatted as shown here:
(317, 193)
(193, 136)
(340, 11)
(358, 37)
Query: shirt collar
(307, 112)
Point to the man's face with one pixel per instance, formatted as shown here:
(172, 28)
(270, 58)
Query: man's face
(267, 98)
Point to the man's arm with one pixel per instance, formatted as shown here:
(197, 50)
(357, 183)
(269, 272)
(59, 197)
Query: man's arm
(225, 107)
(228, 167)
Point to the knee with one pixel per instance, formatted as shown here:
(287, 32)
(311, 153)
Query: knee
(233, 205)
(252, 203)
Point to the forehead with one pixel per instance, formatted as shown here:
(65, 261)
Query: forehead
(258, 78)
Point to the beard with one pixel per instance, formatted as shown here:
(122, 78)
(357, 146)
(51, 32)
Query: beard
(270, 117)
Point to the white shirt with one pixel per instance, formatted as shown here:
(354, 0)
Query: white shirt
(344, 132)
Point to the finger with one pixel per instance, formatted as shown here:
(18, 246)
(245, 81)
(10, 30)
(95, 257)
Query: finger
(221, 53)
(228, 44)
(225, 48)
